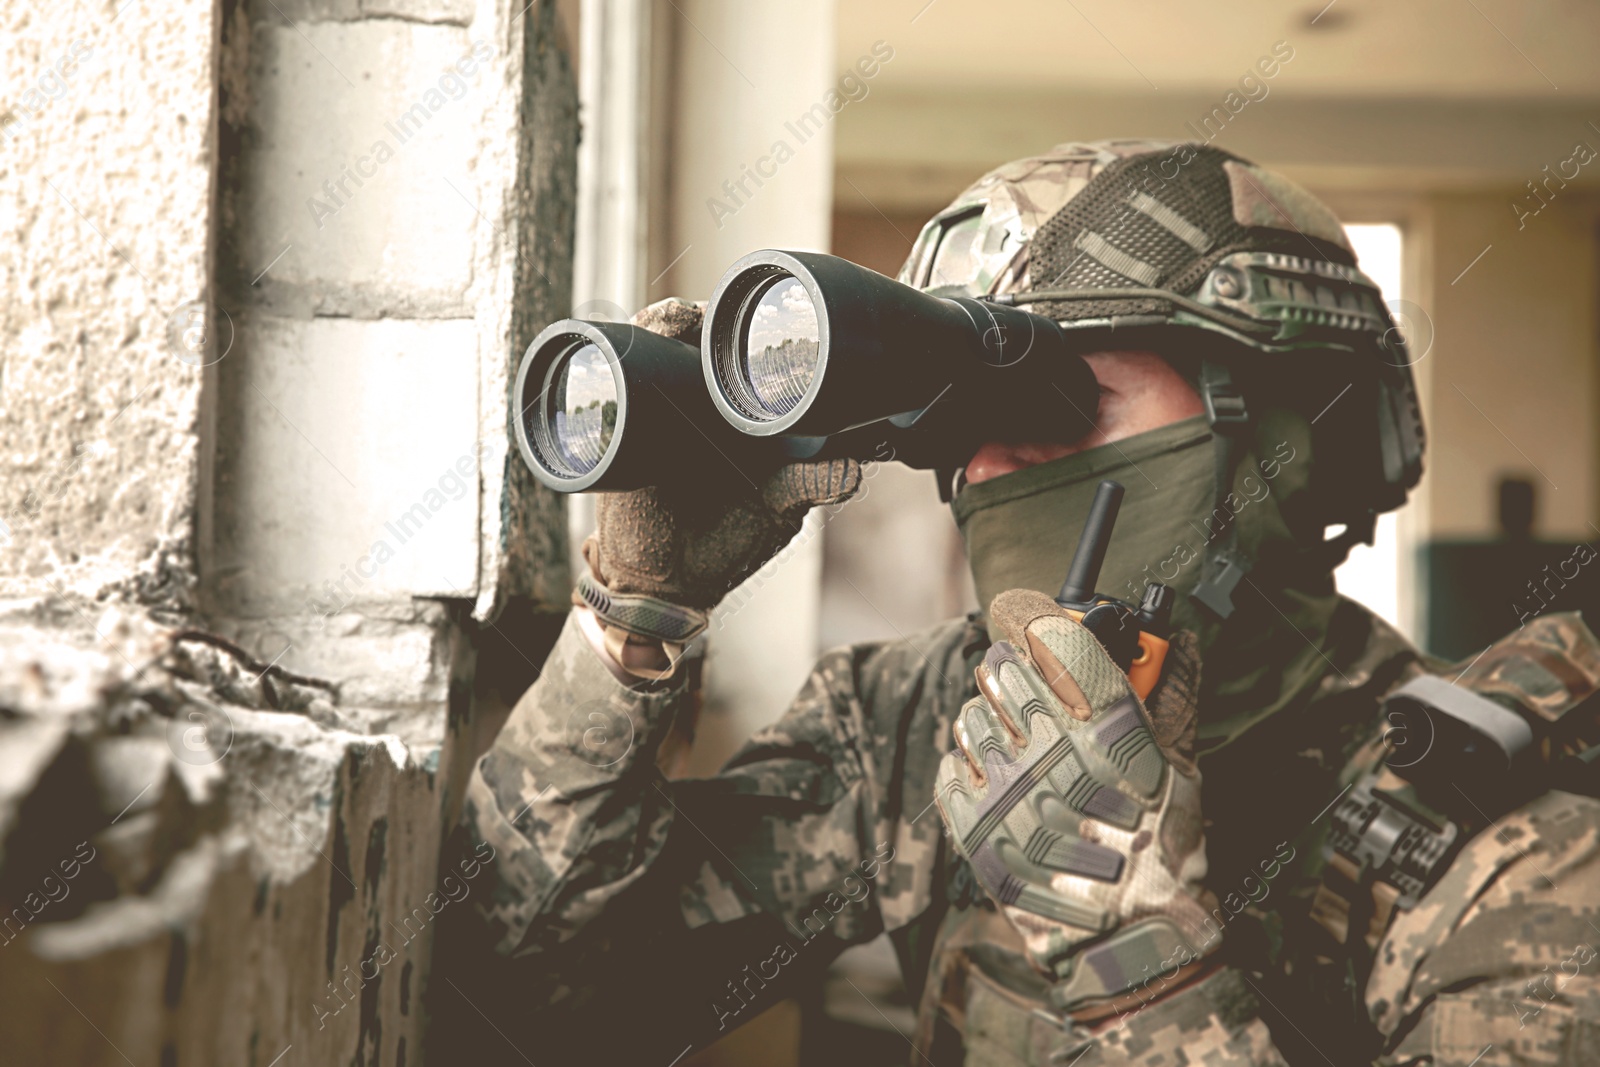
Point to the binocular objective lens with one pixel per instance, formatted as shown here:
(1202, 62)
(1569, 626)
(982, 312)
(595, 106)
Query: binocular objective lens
(581, 409)
(781, 345)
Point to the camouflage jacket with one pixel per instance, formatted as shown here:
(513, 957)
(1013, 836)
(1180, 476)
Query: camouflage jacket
(635, 917)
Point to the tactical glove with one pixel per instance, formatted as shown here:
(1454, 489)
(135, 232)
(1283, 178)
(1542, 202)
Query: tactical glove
(661, 558)
(1079, 814)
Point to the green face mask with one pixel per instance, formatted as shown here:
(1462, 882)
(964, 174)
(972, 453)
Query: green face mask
(1021, 529)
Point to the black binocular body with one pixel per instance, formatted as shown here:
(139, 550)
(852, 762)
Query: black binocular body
(801, 356)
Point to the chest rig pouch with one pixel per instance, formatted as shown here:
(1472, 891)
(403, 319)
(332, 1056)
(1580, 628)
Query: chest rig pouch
(1463, 749)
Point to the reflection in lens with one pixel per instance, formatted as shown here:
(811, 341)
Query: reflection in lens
(582, 408)
(781, 345)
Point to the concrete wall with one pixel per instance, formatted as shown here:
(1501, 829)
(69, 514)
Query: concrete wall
(205, 861)
(105, 200)
(275, 260)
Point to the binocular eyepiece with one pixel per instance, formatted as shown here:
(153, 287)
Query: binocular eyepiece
(802, 355)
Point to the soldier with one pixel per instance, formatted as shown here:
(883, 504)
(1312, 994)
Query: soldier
(1091, 903)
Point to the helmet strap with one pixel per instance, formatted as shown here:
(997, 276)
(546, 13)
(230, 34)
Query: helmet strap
(1226, 564)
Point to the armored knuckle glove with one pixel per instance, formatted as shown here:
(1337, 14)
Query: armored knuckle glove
(661, 558)
(1080, 814)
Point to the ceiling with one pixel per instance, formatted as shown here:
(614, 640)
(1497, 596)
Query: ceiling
(1442, 49)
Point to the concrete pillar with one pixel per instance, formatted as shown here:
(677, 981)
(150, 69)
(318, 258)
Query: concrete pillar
(620, 77)
(611, 253)
(751, 166)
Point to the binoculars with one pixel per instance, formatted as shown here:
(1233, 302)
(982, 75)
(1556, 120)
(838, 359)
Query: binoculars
(801, 356)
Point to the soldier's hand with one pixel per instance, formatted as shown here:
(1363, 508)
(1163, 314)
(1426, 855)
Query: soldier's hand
(687, 546)
(1079, 814)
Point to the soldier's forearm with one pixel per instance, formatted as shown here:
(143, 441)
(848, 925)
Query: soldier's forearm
(569, 777)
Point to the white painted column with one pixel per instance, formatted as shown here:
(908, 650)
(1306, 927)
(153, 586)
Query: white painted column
(611, 245)
(751, 167)
(615, 79)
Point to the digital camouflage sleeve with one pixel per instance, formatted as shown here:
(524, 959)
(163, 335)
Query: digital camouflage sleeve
(639, 915)
(634, 917)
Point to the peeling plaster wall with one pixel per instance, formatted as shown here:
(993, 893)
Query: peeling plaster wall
(194, 851)
(105, 208)
(248, 773)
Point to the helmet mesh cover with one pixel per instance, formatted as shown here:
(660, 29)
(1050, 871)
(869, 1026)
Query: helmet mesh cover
(1133, 227)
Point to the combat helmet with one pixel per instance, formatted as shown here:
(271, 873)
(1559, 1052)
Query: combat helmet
(1243, 278)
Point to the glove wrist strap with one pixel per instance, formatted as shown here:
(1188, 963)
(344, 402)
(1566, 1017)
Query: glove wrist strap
(646, 616)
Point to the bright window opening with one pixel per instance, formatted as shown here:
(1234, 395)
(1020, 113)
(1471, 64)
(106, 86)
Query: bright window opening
(1372, 575)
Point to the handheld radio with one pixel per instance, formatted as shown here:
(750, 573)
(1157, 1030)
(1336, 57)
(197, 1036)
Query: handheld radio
(1136, 638)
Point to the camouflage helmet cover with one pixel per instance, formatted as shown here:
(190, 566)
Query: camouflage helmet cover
(978, 245)
(1153, 236)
